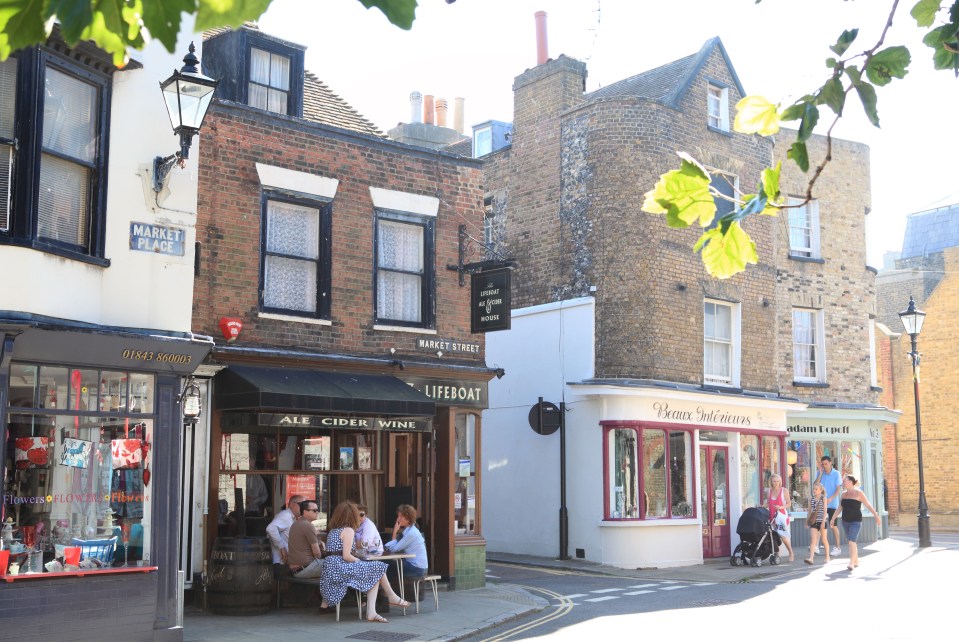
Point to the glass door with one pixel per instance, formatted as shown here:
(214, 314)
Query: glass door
(714, 499)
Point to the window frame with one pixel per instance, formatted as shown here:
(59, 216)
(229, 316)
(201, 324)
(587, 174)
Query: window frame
(723, 182)
(819, 345)
(289, 80)
(762, 466)
(810, 218)
(324, 261)
(639, 428)
(717, 94)
(295, 55)
(32, 65)
(428, 283)
(734, 345)
(486, 132)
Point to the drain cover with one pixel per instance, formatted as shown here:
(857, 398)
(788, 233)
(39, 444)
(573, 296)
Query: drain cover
(382, 636)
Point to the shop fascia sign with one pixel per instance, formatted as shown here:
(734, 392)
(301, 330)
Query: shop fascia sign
(684, 412)
(339, 422)
(450, 392)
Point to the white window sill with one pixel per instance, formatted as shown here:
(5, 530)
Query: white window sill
(649, 523)
(401, 328)
(294, 319)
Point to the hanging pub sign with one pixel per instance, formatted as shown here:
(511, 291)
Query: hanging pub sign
(490, 300)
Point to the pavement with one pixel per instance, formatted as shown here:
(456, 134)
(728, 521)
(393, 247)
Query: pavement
(464, 613)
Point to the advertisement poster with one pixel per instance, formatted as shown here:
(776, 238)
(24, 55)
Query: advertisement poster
(346, 458)
(364, 457)
(304, 485)
(457, 501)
(316, 453)
(464, 467)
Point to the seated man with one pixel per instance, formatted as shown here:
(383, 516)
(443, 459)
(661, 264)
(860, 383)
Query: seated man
(278, 530)
(304, 551)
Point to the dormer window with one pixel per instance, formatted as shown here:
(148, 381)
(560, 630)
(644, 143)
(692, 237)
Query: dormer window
(717, 107)
(269, 86)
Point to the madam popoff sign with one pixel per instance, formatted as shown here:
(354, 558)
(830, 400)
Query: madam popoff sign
(490, 300)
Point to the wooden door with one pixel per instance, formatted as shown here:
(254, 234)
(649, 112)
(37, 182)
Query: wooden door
(714, 500)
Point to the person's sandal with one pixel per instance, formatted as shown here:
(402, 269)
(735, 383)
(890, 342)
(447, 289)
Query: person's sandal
(377, 618)
(403, 604)
(808, 561)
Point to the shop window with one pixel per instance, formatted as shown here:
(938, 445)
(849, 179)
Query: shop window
(851, 459)
(665, 484)
(465, 482)
(296, 257)
(79, 455)
(52, 117)
(800, 471)
(759, 460)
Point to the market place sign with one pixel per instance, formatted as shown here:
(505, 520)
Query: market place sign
(340, 422)
(159, 239)
(490, 300)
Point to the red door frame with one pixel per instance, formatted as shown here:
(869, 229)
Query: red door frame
(716, 538)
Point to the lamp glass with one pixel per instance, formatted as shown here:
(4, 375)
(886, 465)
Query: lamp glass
(912, 318)
(191, 403)
(187, 99)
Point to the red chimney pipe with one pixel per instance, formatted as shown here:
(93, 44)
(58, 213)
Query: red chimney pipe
(542, 47)
(428, 113)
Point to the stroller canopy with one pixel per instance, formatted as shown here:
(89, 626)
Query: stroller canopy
(752, 523)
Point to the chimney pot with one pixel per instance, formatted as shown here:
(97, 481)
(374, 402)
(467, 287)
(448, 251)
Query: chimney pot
(428, 109)
(441, 108)
(416, 107)
(542, 47)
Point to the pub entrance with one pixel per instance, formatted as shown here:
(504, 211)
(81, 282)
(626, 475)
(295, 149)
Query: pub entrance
(714, 500)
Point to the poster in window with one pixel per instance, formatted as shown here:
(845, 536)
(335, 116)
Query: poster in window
(304, 485)
(364, 457)
(346, 458)
(464, 467)
(76, 453)
(316, 453)
(32, 452)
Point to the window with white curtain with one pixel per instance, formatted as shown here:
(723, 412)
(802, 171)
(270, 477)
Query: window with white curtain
(721, 343)
(296, 257)
(404, 269)
(269, 86)
(808, 346)
(803, 228)
(62, 132)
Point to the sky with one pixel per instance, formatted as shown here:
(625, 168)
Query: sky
(475, 48)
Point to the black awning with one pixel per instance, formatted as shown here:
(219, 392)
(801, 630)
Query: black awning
(289, 389)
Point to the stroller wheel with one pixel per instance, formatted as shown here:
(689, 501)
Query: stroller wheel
(756, 561)
(775, 560)
(735, 560)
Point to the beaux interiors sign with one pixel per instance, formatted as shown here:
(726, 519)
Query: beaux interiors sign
(704, 414)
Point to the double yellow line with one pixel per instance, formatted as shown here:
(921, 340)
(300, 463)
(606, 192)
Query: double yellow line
(565, 606)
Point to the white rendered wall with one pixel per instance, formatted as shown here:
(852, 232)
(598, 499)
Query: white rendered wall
(547, 346)
(139, 289)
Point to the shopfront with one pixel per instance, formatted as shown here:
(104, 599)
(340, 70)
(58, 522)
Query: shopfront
(364, 436)
(852, 438)
(90, 453)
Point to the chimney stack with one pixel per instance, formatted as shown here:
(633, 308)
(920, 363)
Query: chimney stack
(416, 107)
(428, 109)
(542, 47)
(441, 108)
(459, 116)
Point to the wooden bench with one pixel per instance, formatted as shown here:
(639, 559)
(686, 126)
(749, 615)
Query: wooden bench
(282, 579)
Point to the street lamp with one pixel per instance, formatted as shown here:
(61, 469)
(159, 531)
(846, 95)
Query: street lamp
(912, 319)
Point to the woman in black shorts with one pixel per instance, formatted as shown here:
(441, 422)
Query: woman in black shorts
(850, 508)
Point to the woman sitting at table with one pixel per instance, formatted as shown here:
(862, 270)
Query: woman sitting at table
(343, 571)
(410, 541)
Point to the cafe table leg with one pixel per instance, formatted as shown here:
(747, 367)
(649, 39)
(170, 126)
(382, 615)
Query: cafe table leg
(399, 572)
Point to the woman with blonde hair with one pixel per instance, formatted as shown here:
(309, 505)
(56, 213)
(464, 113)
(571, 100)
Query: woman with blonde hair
(778, 505)
(817, 527)
(342, 570)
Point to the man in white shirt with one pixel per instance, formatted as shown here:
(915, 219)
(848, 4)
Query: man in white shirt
(279, 529)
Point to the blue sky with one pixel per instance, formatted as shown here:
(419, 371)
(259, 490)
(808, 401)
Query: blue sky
(474, 48)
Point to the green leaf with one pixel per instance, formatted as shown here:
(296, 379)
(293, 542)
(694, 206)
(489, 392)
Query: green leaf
(799, 154)
(945, 59)
(22, 24)
(399, 12)
(867, 94)
(73, 17)
(888, 64)
(726, 253)
(770, 181)
(227, 13)
(809, 119)
(162, 19)
(683, 196)
(832, 63)
(756, 115)
(846, 39)
(833, 95)
(925, 12)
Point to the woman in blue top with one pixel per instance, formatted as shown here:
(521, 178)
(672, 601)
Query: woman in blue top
(411, 541)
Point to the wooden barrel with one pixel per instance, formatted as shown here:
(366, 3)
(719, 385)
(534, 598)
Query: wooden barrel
(240, 576)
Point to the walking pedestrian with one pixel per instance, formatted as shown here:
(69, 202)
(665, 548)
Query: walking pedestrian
(831, 480)
(850, 509)
(778, 515)
(817, 525)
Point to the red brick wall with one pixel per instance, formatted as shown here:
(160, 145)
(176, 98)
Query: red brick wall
(229, 226)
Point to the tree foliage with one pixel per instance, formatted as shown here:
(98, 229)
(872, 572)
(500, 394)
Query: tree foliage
(116, 26)
(685, 195)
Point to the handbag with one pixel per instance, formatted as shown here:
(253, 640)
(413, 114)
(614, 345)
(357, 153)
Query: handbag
(811, 516)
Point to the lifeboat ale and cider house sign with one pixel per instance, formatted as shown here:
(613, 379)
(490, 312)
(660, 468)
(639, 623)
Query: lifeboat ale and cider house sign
(490, 300)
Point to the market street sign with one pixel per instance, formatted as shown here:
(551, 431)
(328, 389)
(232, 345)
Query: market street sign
(490, 300)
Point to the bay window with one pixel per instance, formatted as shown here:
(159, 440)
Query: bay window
(648, 471)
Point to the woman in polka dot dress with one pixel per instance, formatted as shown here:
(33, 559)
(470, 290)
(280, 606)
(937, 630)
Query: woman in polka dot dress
(344, 571)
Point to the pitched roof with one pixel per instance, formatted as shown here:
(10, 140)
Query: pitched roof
(321, 105)
(462, 147)
(931, 231)
(667, 83)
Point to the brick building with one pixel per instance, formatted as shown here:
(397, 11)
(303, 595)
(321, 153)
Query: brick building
(684, 394)
(924, 271)
(354, 374)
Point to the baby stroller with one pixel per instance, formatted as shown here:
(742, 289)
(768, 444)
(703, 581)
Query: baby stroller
(758, 539)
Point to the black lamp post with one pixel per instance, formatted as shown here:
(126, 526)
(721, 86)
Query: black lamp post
(187, 94)
(912, 319)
